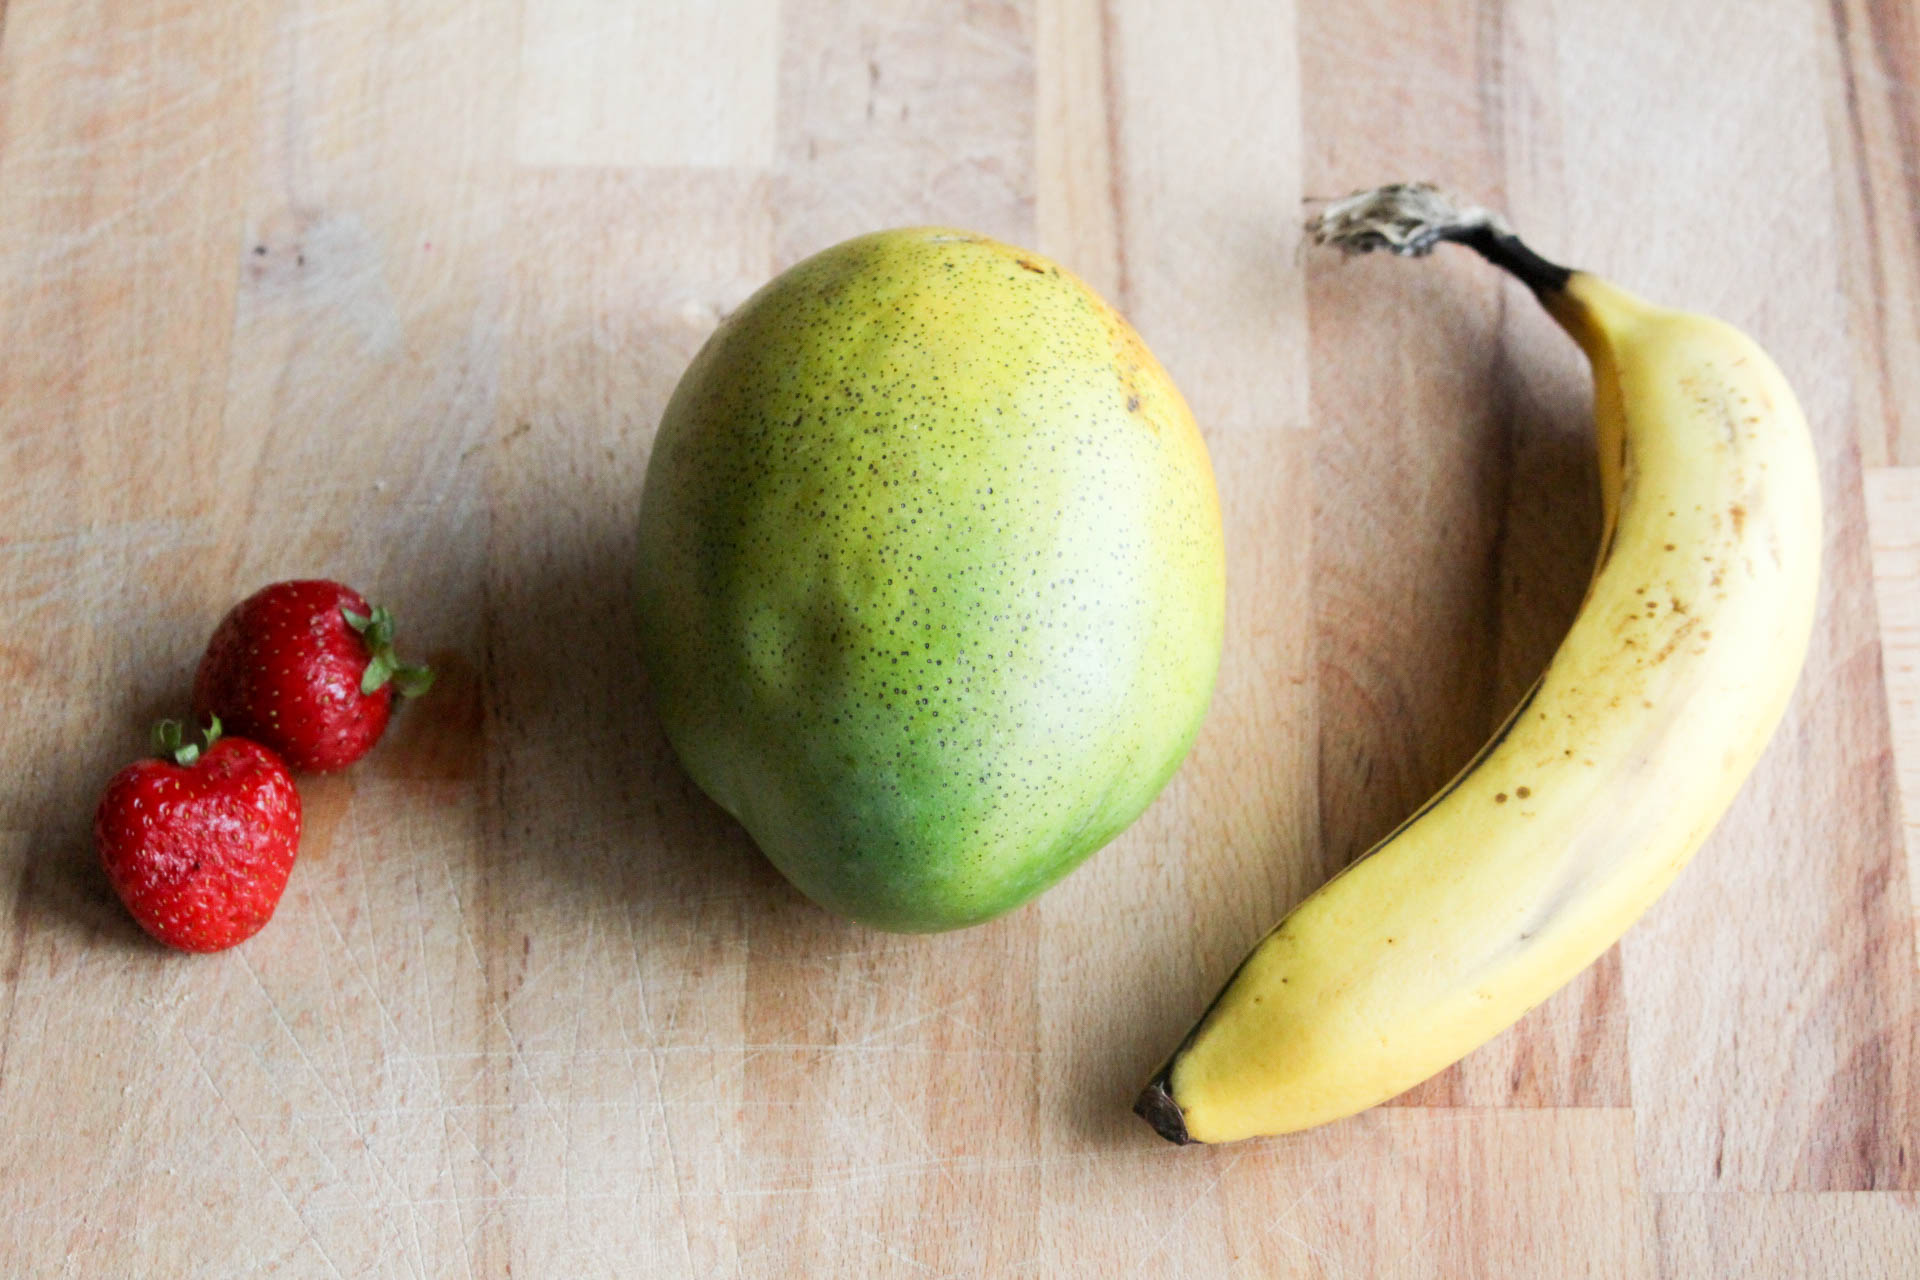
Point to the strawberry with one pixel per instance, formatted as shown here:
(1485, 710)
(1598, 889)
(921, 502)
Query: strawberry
(308, 669)
(199, 844)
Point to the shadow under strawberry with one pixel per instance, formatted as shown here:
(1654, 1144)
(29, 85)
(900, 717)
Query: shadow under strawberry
(63, 893)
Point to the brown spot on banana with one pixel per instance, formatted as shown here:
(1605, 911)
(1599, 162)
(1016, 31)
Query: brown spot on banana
(1674, 641)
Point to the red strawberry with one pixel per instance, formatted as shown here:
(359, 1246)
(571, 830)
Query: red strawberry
(198, 845)
(308, 669)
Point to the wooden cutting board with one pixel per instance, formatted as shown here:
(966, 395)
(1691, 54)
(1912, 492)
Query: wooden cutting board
(395, 292)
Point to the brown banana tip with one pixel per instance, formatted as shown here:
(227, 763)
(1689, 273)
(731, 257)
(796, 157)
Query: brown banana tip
(1157, 1107)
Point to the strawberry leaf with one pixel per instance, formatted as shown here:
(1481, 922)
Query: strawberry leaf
(411, 680)
(170, 741)
(166, 741)
(378, 672)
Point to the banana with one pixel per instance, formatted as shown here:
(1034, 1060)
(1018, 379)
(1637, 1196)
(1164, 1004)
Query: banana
(1605, 779)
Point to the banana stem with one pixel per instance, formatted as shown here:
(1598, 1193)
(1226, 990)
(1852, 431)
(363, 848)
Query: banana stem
(1410, 218)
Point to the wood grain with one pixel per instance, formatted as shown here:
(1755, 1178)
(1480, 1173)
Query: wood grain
(630, 86)
(397, 291)
(1873, 1236)
(1893, 519)
(1871, 53)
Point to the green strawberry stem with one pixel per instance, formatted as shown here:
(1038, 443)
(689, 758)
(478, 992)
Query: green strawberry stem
(170, 741)
(410, 680)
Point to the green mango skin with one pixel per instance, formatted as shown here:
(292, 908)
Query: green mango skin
(931, 579)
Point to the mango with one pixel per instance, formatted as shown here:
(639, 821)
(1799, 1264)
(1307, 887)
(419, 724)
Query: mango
(931, 581)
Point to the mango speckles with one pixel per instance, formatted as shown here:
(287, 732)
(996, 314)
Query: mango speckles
(931, 578)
